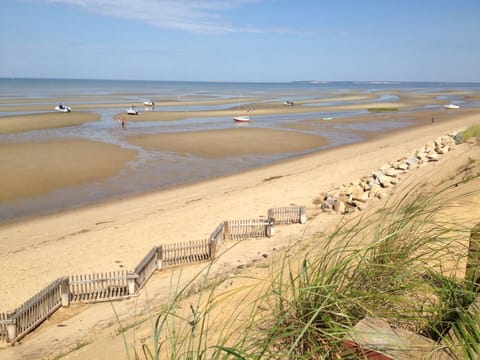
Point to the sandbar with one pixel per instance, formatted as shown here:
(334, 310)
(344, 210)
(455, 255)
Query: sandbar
(19, 123)
(230, 142)
(30, 169)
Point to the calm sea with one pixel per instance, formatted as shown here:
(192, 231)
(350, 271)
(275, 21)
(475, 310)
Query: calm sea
(176, 168)
(44, 88)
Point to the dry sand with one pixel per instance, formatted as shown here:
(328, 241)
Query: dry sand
(118, 234)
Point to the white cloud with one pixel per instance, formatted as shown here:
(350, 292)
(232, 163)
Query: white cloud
(196, 16)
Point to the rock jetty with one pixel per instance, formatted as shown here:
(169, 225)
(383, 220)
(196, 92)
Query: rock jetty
(379, 184)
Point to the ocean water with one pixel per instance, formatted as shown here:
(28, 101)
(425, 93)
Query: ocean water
(44, 88)
(180, 168)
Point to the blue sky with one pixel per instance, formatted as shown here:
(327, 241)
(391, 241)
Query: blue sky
(241, 40)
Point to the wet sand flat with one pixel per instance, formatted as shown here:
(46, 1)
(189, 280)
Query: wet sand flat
(19, 123)
(230, 142)
(31, 169)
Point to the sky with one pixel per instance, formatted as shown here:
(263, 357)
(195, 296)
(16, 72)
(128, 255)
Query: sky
(241, 40)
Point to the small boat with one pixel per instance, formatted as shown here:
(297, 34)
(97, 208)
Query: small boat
(149, 103)
(288, 103)
(62, 108)
(241, 118)
(327, 118)
(451, 106)
(132, 111)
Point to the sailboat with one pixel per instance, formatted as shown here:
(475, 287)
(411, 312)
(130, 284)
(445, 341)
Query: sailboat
(241, 118)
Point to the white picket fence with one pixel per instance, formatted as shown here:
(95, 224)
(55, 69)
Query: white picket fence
(108, 286)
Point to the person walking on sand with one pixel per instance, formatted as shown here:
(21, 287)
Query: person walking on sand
(122, 123)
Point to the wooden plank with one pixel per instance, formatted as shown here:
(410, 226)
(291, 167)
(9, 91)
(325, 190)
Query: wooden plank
(373, 338)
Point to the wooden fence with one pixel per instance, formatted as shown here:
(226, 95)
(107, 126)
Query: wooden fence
(3, 328)
(248, 229)
(35, 310)
(218, 235)
(99, 287)
(288, 214)
(185, 252)
(147, 266)
(115, 285)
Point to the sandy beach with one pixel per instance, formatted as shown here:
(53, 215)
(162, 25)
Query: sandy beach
(114, 235)
(117, 235)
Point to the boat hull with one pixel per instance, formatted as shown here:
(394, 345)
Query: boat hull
(63, 109)
(451, 107)
(241, 119)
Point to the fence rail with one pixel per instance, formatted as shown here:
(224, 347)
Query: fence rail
(16, 324)
(99, 287)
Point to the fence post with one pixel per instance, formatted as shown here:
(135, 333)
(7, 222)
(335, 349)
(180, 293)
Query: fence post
(226, 230)
(160, 257)
(212, 245)
(473, 262)
(65, 291)
(11, 327)
(271, 227)
(303, 215)
(270, 214)
(131, 283)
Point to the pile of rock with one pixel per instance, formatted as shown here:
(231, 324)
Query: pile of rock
(379, 184)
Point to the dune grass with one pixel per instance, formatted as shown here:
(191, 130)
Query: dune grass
(402, 264)
(473, 131)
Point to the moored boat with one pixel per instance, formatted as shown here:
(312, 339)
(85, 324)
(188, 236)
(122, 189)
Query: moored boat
(451, 106)
(62, 108)
(132, 111)
(241, 118)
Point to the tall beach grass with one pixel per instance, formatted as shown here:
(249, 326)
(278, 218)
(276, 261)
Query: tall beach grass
(404, 263)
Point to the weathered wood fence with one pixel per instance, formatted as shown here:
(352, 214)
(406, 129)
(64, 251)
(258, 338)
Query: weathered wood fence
(14, 325)
(288, 214)
(30, 314)
(248, 229)
(99, 287)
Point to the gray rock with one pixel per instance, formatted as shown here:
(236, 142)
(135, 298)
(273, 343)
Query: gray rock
(458, 138)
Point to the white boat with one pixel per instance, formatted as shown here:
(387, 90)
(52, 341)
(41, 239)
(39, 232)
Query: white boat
(62, 108)
(241, 118)
(288, 103)
(149, 103)
(451, 106)
(132, 111)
